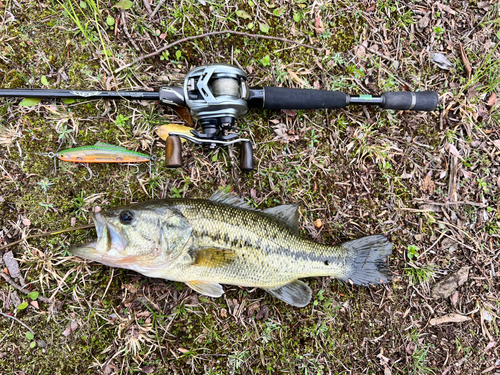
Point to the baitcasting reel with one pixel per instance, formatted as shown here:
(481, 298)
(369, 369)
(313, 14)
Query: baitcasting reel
(217, 95)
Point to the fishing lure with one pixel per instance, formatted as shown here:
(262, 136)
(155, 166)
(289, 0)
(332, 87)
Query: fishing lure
(100, 153)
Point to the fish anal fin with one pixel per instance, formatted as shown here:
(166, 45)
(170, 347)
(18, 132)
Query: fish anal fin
(288, 213)
(207, 288)
(297, 293)
(213, 257)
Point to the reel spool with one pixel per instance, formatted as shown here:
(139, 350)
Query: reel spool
(216, 96)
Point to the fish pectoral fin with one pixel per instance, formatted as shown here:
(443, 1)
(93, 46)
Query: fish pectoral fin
(207, 288)
(297, 293)
(213, 257)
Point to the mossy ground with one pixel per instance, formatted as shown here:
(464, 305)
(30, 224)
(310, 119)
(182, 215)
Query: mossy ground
(360, 171)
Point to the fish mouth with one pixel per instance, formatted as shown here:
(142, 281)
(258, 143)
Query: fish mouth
(110, 244)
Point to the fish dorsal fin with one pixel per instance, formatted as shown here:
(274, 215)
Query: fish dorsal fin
(221, 196)
(207, 288)
(107, 145)
(213, 257)
(296, 293)
(289, 213)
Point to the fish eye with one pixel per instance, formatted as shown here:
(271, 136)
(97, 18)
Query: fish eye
(126, 217)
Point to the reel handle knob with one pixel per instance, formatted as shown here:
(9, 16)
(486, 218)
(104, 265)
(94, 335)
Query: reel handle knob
(246, 156)
(173, 152)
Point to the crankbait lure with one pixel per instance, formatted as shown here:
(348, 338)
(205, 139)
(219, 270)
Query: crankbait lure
(100, 153)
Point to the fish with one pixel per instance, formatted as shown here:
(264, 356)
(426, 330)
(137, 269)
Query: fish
(222, 240)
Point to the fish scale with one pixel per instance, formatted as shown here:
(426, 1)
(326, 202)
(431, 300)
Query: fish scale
(205, 243)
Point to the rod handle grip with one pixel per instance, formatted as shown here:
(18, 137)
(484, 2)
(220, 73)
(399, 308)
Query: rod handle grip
(286, 98)
(406, 100)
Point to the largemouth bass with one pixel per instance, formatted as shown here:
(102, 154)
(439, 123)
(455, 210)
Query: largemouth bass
(205, 243)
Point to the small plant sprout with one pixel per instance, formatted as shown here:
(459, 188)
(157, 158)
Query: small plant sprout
(121, 120)
(412, 252)
(45, 185)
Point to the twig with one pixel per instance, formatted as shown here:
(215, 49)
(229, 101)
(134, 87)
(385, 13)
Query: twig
(212, 34)
(461, 231)
(446, 204)
(156, 9)
(383, 56)
(21, 289)
(17, 320)
(147, 6)
(125, 30)
(47, 234)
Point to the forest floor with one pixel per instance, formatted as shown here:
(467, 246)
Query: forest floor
(428, 181)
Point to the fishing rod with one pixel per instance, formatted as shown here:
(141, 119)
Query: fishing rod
(217, 95)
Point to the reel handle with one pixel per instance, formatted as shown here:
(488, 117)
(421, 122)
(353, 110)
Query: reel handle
(246, 156)
(173, 152)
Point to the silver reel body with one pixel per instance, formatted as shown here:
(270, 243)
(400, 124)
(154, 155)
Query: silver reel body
(216, 94)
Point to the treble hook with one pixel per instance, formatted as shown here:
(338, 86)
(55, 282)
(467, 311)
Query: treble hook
(86, 166)
(132, 165)
(51, 155)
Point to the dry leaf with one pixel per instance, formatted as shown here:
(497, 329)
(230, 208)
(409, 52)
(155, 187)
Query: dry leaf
(73, 325)
(290, 112)
(182, 350)
(263, 313)
(282, 135)
(454, 298)
(296, 78)
(446, 8)
(12, 265)
(492, 344)
(466, 174)
(423, 22)
(34, 304)
(371, 8)
(452, 150)
(360, 51)
(465, 60)
(447, 286)
(184, 114)
(164, 130)
(440, 60)
(318, 26)
(449, 318)
(492, 100)
(485, 5)
(428, 185)
(223, 313)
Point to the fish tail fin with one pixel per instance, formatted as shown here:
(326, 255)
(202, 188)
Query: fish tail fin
(369, 265)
